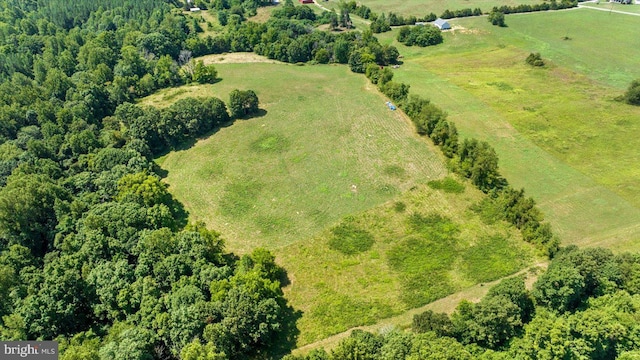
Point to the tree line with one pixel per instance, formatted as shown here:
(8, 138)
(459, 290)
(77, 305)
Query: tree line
(544, 6)
(586, 305)
(382, 23)
(473, 159)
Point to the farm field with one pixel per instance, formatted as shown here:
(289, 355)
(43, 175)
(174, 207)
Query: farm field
(421, 8)
(423, 245)
(345, 198)
(327, 147)
(558, 131)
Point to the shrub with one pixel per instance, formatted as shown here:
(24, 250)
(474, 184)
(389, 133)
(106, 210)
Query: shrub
(534, 59)
(632, 96)
(395, 91)
(447, 185)
(350, 240)
(426, 35)
(322, 56)
(430, 321)
(243, 103)
(496, 18)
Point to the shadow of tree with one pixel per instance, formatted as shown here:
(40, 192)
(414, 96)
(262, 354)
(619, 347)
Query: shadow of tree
(190, 142)
(257, 114)
(287, 337)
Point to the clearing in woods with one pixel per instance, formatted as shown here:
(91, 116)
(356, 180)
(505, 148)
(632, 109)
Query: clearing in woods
(341, 189)
(321, 151)
(336, 186)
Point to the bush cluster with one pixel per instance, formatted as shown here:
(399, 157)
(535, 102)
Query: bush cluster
(448, 14)
(544, 6)
(423, 35)
(534, 59)
(632, 95)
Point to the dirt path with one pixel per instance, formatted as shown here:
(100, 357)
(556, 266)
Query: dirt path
(320, 6)
(446, 305)
(236, 58)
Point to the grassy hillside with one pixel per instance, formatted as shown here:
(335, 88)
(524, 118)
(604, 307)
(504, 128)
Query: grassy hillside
(326, 147)
(558, 131)
(343, 191)
(608, 6)
(420, 247)
(421, 8)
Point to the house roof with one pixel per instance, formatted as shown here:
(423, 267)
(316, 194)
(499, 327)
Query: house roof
(440, 23)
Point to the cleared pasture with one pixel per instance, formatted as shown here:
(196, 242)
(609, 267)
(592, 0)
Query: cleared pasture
(420, 8)
(343, 192)
(322, 150)
(558, 130)
(426, 244)
(613, 6)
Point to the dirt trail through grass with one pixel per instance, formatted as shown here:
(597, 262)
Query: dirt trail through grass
(445, 305)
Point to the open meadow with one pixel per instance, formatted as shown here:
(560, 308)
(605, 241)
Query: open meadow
(614, 6)
(343, 191)
(558, 130)
(327, 146)
(420, 247)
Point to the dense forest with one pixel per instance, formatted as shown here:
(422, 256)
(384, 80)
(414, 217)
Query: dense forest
(96, 254)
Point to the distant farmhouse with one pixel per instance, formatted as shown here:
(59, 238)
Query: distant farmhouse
(442, 24)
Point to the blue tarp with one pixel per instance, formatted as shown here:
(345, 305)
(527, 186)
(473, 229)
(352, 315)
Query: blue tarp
(390, 105)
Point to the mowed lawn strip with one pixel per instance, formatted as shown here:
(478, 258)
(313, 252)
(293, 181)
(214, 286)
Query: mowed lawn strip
(327, 146)
(559, 134)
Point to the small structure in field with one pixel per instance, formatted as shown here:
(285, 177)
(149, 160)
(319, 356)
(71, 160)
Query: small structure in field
(306, 1)
(391, 106)
(194, 9)
(442, 24)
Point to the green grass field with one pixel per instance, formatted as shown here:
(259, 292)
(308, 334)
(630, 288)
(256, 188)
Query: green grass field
(327, 147)
(417, 248)
(343, 190)
(558, 131)
(350, 199)
(420, 8)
